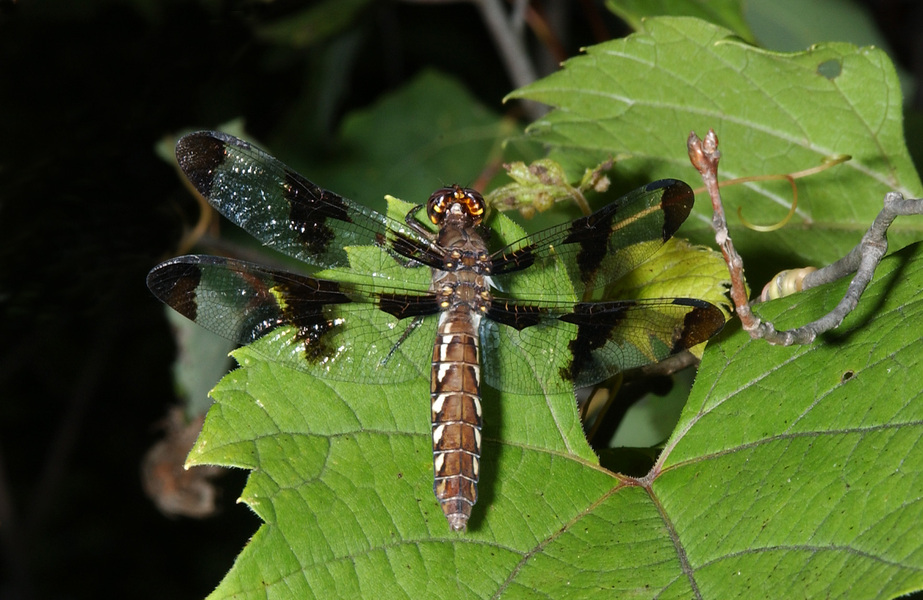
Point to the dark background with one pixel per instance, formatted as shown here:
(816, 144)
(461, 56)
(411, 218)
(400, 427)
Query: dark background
(86, 209)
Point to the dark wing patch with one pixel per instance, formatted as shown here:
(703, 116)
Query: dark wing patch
(313, 213)
(333, 329)
(603, 246)
(619, 335)
(559, 347)
(287, 212)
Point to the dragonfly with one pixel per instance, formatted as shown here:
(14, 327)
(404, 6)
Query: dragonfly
(400, 297)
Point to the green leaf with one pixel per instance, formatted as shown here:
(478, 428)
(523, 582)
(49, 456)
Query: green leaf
(313, 24)
(674, 271)
(818, 465)
(793, 25)
(637, 98)
(726, 13)
(202, 357)
(792, 472)
(430, 133)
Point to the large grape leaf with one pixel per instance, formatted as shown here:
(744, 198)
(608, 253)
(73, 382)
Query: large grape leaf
(794, 472)
(810, 455)
(637, 98)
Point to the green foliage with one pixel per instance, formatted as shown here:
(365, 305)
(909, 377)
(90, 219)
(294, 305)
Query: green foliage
(538, 186)
(792, 472)
(726, 13)
(315, 23)
(408, 145)
(817, 466)
(638, 98)
(792, 25)
(763, 477)
(202, 358)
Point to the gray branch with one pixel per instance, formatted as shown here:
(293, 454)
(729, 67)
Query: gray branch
(861, 260)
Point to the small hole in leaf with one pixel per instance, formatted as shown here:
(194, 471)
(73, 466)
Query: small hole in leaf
(847, 376)
(830, 69)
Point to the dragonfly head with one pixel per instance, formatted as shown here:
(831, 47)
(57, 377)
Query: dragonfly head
(456, 202)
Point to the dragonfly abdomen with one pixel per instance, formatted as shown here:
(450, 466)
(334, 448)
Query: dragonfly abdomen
(456, 414)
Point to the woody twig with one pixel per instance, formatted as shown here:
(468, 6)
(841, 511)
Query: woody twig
(861, 260)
